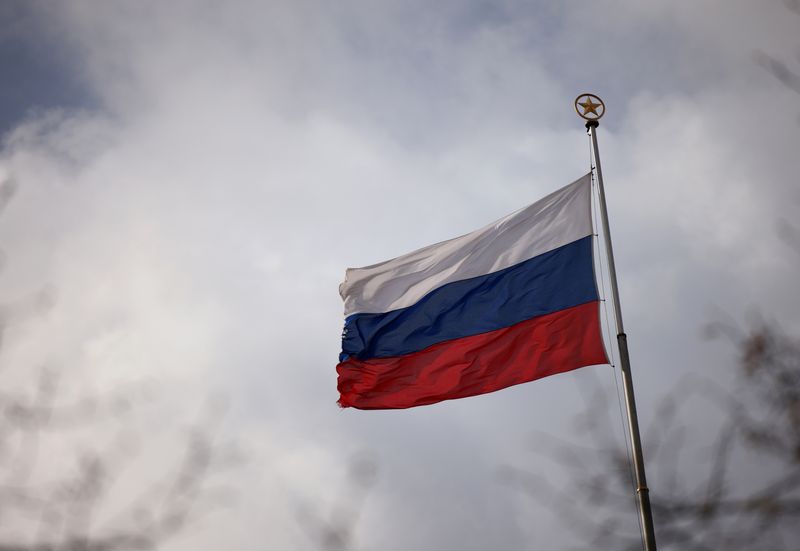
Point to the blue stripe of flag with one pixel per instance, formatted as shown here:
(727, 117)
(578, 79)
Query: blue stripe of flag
(553, 281)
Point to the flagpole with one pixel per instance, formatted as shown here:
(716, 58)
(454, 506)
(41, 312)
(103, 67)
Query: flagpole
(642, 492)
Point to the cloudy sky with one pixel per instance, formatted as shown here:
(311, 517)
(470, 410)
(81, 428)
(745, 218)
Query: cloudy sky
(193, 178)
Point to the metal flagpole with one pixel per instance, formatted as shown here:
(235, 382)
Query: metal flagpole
(591, 113)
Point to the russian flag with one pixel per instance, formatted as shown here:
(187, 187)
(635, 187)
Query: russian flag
(507, 304)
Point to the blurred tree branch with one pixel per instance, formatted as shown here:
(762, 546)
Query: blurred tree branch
(336, 531)
(61, 501)
(760, 433)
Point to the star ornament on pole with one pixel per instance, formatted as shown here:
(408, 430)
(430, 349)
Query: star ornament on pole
(590, 107)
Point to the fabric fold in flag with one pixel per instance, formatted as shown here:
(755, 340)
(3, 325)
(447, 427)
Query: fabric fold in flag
(510, 303)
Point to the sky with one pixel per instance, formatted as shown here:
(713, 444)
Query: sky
(192, 179)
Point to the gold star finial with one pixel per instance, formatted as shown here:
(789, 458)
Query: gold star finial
(589, 107)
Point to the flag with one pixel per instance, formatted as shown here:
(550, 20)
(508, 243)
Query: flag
(507, 304)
